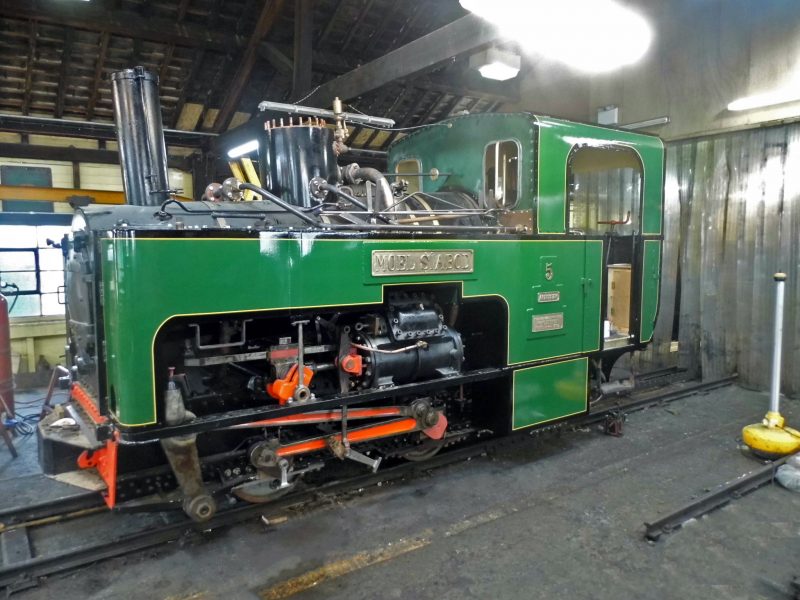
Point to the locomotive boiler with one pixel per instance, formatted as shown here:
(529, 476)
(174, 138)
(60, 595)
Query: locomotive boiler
(308, 310)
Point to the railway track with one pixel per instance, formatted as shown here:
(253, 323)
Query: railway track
(25, 562)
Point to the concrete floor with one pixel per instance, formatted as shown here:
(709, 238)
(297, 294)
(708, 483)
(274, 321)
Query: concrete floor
(28, 402)
(562, 519)
(20, 478)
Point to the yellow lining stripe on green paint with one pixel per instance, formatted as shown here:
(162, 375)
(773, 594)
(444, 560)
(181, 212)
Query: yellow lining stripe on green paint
(514, 393)
(658, 291)
(383, 285)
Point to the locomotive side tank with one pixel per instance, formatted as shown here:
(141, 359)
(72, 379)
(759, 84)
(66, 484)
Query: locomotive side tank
(245, 343)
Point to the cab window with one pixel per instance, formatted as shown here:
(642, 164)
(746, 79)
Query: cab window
(409, 170)
(501, 174)
(604, 190)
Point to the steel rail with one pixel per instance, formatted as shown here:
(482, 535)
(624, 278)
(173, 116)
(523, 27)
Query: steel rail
(22, 575)
(58, 507)
(713, 500)
(25, 574)
(656, 399)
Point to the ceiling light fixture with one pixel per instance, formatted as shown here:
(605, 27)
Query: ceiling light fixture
(654, 122)
(245, 148)
(593, 36)
(779, 96)
(494, 63)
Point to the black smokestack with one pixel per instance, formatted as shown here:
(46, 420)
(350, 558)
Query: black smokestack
(142, 151)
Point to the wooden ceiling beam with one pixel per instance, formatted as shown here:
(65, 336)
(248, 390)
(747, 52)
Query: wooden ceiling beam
(463, 35)
(136, 54)
(326, 31)
(26, 98)
(355, 26)
(388, 113)
(367, 109)
(72, 154)
(124, 23)
(403, 33)
(211, 84)
(91, 129)
(276, 57)
(506, 91)
(66, 53)
(182, 8)
(280, 57)
(98, 75)
(449, 106)
(471, 106)
(179, 16)
(266, 20)
(194, 71)
(376, 34)
(494, 106)
(262, 91)
(431, 109)
(168, 53)
(402, 122)
(372, 108)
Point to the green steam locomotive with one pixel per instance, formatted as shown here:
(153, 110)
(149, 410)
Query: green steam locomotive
(312, 310)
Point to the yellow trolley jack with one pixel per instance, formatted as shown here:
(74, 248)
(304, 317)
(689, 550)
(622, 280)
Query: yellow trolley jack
(772, 438)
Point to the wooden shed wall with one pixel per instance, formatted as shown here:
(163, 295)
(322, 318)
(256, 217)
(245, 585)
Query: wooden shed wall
(732, 220)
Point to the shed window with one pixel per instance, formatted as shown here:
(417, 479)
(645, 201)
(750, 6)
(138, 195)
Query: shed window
(31, 270)
(604, 190)
(501, 174)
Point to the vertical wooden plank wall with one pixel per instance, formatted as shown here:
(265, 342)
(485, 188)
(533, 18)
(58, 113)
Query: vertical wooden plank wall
(731, 220)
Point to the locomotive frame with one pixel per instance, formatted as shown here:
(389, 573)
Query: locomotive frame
(505, 333)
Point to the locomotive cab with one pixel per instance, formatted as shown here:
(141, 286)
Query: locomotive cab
(565, 181)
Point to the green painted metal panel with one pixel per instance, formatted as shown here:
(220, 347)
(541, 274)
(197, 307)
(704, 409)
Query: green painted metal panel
(651, 279)
(593, 292)
(557, 138)
(549, 392)
(149, 281)
(457, 146)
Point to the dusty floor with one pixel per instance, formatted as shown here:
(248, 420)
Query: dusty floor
(563, 519)
(20, 479)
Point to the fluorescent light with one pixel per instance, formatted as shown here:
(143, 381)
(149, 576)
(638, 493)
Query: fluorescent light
(654, 122)
(246, 148)
(589, 35)
(498, 70)
(494, 63)
(779, 96)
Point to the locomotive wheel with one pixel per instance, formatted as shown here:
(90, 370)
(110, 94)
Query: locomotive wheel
(426, 450)
(261, 490)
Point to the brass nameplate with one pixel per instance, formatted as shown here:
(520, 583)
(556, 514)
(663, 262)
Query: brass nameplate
(421, 262)
(549, 296)
(549, 322)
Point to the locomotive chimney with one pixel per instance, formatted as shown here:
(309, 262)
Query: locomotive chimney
(142, 151)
